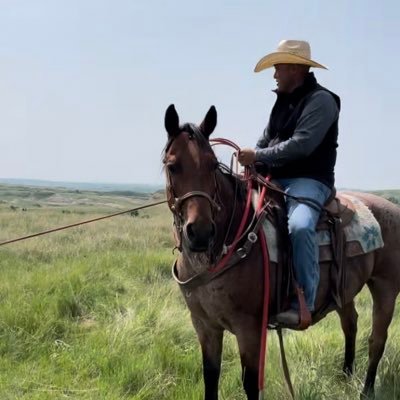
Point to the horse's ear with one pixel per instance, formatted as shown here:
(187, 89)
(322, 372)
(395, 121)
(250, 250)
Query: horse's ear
(210, 122)
(171, 121)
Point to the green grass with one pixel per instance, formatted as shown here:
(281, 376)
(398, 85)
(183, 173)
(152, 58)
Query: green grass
(92, 313)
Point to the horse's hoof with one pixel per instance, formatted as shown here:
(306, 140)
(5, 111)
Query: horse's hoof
(368, 394)
(348, 371)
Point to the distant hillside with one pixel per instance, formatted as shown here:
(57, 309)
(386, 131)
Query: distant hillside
(30, 192)
(20, 197)
(100, 187)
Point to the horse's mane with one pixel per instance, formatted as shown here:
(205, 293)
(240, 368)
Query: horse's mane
(234, 180)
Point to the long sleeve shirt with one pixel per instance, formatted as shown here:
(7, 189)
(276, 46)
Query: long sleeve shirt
(320, 112)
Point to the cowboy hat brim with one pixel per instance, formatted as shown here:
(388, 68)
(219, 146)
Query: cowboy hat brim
(281, 57)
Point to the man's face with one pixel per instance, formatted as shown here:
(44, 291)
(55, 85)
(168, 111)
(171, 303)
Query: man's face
(285, 76)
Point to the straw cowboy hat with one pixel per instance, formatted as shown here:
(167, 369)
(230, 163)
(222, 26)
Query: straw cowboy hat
(289, 52)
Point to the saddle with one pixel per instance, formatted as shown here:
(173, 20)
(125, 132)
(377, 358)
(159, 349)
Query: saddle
(337, 207)
(337, 213)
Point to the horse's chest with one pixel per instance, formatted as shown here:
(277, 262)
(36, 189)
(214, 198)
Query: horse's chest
(213, 303)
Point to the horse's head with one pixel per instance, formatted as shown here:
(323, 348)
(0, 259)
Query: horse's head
(190, 166)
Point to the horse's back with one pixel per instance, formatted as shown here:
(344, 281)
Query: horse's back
(387, 259)
(386, 213)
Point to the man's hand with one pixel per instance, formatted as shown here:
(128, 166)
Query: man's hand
(247, 156)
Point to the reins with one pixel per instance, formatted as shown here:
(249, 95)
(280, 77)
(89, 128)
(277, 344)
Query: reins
(306, 200)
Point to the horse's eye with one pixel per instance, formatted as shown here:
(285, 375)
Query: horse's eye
(173, 168)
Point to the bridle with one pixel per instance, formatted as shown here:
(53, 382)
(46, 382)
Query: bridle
(175, 204)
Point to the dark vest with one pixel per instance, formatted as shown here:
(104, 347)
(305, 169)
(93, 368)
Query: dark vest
(287, 110)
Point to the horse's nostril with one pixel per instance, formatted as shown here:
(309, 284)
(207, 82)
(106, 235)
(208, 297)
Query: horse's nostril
(200, 235)
(213, 230)
(189, 231)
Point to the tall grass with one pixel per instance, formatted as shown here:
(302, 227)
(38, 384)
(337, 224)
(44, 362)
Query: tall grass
(92, 313)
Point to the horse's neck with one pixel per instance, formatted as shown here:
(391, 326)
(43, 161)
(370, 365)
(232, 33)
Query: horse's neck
(232, 204)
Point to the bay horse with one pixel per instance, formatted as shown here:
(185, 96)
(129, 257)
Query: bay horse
(207, 205)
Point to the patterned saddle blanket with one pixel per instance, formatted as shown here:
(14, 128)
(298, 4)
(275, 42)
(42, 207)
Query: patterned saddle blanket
(363, 234)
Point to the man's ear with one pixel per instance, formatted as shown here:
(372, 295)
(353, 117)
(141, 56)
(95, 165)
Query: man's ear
(171, 121)
(209, 123)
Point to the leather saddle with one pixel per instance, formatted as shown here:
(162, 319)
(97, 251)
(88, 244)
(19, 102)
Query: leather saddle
(337, 212)
(338, 207)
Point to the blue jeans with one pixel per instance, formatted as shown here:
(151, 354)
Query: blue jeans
(302, 221)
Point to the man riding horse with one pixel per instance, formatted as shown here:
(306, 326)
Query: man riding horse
(298, 149)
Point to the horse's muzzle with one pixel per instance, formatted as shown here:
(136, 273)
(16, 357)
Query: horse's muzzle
(200, 236)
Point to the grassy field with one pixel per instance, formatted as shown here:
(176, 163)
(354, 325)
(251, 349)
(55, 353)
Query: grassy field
(92, 313)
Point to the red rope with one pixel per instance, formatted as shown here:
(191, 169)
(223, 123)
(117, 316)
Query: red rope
(265, 256)
(227, 142)
(239, 232)
(264, 330)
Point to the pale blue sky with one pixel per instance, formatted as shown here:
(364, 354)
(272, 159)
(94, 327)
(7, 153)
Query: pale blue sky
(84, 84)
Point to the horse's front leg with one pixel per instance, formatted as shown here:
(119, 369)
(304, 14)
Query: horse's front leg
(249, 340)
(211, 346)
